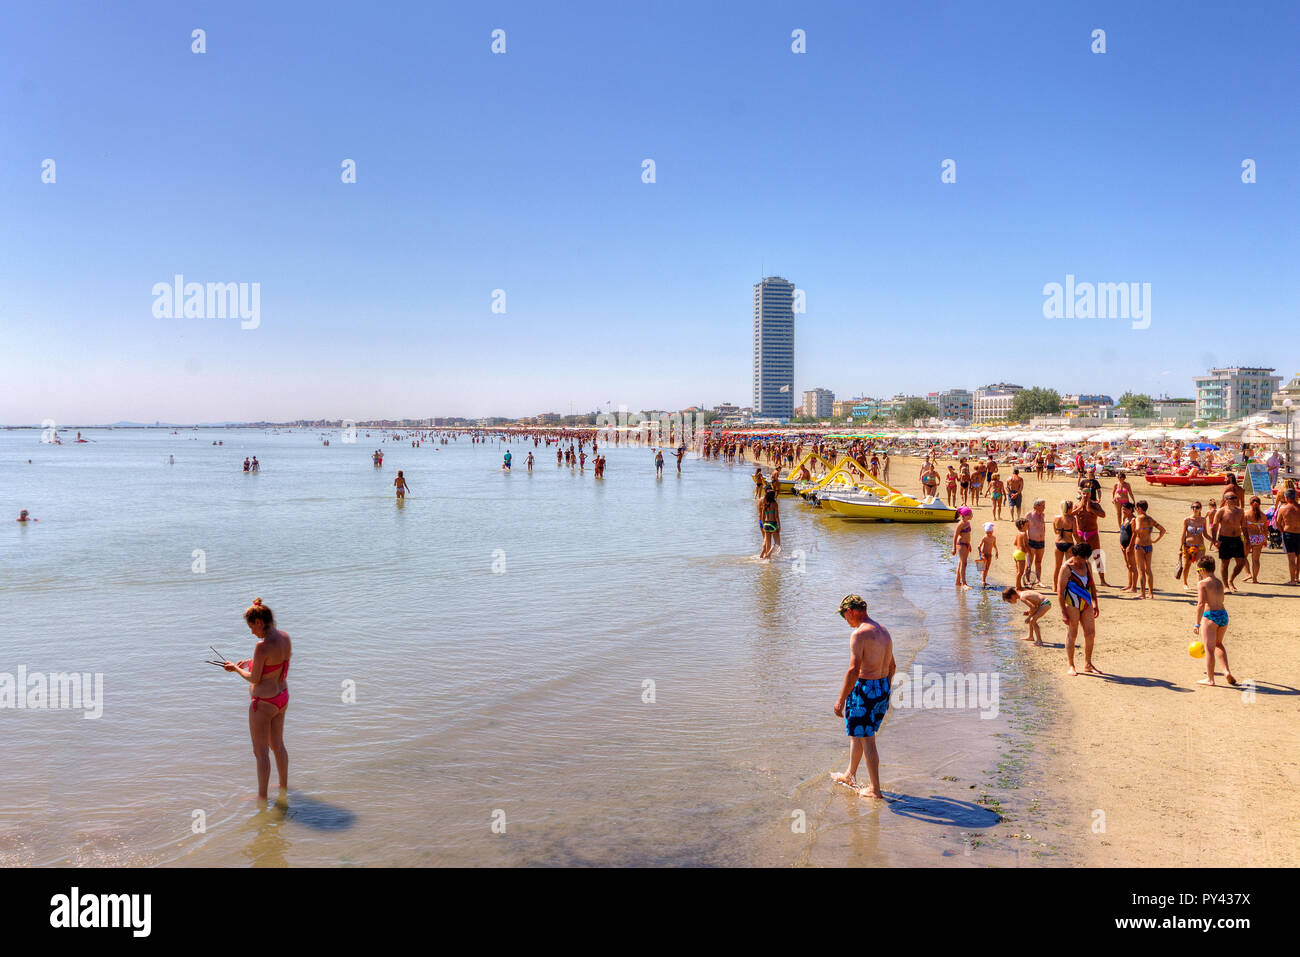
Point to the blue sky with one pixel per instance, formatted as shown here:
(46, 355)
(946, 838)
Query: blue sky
(522, 172)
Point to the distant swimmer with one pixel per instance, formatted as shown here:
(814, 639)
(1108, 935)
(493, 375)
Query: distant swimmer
(24, 517)
(659, 462)
(399, 483)
(864, 696)
(256, 465)
(266, 672)
(247, 464)
(506, 463)
(680, 453)
(530, 461)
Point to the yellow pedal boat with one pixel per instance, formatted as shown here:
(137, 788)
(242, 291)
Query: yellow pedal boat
(895, 508)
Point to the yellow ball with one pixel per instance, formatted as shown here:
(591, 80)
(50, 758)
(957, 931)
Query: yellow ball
(1196, 649)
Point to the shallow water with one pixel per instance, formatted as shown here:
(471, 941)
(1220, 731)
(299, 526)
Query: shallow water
(482, 695)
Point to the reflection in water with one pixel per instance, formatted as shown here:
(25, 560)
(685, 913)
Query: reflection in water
(269, 846)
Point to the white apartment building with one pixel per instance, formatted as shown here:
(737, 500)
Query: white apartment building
(818, 403)
(993, 402)
(1226, 394)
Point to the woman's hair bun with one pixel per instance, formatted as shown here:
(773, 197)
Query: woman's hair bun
(257, 601)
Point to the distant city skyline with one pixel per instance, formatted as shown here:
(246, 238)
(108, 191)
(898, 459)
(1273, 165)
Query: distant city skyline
(392, 220)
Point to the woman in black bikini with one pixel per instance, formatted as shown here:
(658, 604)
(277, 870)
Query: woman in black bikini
(1063, 526)
(1126, 545)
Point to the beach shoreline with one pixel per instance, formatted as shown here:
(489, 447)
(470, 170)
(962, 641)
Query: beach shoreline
(1133, 756)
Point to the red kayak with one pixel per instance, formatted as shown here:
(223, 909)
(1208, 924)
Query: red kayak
(1164, 478)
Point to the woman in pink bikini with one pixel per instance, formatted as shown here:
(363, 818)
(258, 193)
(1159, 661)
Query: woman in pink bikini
(266, 673)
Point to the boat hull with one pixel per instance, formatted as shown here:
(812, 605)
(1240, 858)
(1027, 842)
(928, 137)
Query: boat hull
(1187, 479)
(888, 513)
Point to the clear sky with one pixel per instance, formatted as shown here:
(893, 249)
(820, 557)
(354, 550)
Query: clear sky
(523, 172)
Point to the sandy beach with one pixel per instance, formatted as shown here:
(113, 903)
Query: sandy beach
(1158, 770)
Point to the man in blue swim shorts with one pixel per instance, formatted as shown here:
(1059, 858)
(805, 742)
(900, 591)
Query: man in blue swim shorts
(864, 696)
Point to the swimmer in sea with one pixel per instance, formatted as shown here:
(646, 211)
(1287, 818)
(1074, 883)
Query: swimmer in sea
(399, 483)
(1038, 606)
(530, 461)
(864, 696)
(1211, 620)
(659, 462)
(506, 463)
(266, 672)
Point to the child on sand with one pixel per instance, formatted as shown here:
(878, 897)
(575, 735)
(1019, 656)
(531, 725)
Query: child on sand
(1021, 553)
(1038, 607)
(1211, 620)
(988, 550)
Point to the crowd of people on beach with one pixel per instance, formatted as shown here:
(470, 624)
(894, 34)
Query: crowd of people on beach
(1220, 543)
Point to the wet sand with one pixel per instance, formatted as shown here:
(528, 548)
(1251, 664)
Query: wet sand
(1152, 768)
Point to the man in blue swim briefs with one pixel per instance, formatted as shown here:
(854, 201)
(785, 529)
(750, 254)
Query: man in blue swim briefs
(864, 697)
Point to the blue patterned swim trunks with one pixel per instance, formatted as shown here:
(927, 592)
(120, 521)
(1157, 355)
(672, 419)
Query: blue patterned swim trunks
(866, 707)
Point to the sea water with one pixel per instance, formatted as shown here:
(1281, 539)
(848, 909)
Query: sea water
(509, 668)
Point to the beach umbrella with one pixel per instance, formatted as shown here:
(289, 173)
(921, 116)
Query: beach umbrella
(1216, 435)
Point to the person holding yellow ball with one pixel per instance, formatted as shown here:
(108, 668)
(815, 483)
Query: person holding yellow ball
(1211, 622)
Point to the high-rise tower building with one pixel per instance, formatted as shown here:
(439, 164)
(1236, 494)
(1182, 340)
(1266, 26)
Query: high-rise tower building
(774, 348)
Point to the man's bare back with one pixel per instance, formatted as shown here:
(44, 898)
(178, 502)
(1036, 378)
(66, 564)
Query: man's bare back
(873, 649)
